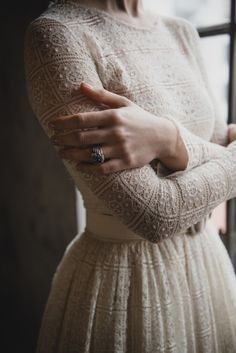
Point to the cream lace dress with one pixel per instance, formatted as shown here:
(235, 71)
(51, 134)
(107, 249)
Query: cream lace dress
(150, 273)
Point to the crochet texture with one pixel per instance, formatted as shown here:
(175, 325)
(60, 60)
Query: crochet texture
(150, 273)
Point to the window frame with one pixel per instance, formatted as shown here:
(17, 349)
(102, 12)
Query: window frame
(210, 31)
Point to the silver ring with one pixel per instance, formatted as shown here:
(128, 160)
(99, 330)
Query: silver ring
(97, 155)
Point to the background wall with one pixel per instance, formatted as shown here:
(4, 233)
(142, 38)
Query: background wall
(37, 204)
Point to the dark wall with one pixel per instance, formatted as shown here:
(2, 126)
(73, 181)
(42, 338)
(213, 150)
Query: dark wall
(37, 206)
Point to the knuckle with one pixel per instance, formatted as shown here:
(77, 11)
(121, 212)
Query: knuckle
(80, 119)
(80, 138)
(101, 92)
(119, 135)
(116, 117)
(126, 101)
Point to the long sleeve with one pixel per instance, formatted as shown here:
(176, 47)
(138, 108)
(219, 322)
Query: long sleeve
(199, 150)
(153, 207)
(220, 132)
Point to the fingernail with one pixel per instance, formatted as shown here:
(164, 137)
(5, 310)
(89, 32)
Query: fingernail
(86, 85)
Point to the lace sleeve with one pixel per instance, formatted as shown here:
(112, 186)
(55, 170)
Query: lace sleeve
(199, 150)
(153, 207)
(220, 133)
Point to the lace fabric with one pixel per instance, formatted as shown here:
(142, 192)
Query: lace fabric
(161, 70)
(151, 206)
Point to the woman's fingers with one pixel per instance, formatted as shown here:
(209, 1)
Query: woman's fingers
(84, 155)
(103, 96)
(93, 119)
(82, 138)
(82, 120)
(75, 154)
(111, 166)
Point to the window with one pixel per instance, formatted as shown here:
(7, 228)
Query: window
(215, 20)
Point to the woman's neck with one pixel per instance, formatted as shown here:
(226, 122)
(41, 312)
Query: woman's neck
(132, 8)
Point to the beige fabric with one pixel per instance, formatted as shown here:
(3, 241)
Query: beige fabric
(150, 273)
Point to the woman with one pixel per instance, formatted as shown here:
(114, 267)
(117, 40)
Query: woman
(152, 160)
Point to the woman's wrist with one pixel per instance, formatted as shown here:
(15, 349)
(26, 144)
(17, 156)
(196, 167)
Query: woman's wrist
(173, 153)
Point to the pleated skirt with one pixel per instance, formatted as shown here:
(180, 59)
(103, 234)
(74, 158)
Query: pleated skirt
(176, 296)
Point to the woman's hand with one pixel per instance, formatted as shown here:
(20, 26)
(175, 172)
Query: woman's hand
(232, 132)
(129, 136)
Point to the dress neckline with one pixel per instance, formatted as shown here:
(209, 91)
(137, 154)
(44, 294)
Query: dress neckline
(112, 17)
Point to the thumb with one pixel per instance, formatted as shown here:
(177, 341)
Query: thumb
(103, 96)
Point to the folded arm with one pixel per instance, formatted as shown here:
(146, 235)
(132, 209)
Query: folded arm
(154, 207)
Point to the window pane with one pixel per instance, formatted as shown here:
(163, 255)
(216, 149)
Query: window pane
(216, 56)
(199, 12)
(81, 212)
